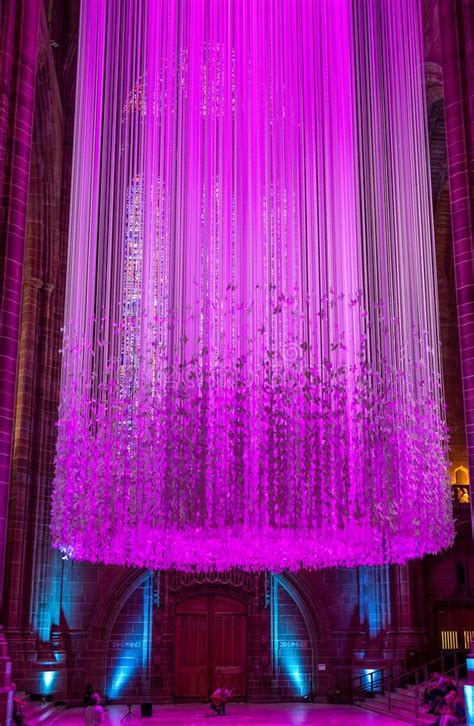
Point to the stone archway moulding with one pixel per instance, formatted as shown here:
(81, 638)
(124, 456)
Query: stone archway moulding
(107, 611)
(313, 613)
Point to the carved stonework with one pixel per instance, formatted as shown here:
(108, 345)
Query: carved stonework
(179, 581)
(156, 589)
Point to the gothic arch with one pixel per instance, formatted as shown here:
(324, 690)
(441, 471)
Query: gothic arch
(314, 615)
(113, 601)
(106, 613)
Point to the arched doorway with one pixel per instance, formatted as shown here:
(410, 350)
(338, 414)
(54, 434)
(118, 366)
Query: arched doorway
(210, 645)
(292, 645)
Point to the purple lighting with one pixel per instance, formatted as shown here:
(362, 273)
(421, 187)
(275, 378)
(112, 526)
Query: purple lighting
(251, 360)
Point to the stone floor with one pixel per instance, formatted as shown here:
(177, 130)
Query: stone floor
(282, 714)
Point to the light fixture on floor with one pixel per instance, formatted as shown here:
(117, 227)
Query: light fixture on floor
(129, 716)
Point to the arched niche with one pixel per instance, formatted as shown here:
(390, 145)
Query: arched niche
(303, 632)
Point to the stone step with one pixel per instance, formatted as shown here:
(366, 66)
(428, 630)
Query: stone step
(405, 715)
(37, 713)
(410, 693)
(395, 698)
(403, 695)
(401, 705)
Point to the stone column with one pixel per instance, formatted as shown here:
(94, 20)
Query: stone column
(16, 605)
(18, 56)
(457, 45)
(19, 44)
(404, 633)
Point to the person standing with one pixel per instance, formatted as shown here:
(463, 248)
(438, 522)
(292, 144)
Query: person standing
(87, 695)
(95, 714)
(18, 715)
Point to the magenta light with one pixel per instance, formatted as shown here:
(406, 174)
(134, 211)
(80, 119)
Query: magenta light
(251, 359)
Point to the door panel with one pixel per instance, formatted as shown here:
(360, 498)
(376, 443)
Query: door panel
(229, 651)
(211, 637)
(192, 651)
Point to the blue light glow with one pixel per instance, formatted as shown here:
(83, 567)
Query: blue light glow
(287, 646)
(298, 679)
(469, 701)
(274, 621)
(47, 599)
(47, 680)
(147, 623)
(133, 653)
(290, 660)
(123, 672)
(370, 682)
(470, 664)
(374, 599)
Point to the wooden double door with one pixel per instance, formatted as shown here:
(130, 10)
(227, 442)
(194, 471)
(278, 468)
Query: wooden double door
(210, 646)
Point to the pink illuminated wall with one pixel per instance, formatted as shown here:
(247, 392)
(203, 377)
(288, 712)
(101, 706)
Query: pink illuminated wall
(251, 364)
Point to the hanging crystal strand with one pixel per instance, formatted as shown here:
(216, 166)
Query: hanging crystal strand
(251, 366)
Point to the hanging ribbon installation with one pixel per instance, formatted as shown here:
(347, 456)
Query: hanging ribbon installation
(251, 368)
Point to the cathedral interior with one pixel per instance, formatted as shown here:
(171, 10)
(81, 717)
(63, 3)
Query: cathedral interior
(144, 634)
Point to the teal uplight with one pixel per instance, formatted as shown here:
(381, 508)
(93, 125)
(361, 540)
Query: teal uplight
(123, 672)
(374, 599)
(469, 701)
(274, 621)
(286, 650)
(298, 679)
(369, 682)
(47, 681)
(132, 658)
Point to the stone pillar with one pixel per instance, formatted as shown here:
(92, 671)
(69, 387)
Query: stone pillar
(405, 633)
(16, 605)
(18, 56)
(457, 45)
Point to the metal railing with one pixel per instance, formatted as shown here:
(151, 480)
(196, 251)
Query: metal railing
(373, 682)
(459, 673)
(364, 686)
(385, 680)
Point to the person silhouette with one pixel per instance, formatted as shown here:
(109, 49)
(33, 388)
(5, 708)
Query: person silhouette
(95, 714)
(219, 698)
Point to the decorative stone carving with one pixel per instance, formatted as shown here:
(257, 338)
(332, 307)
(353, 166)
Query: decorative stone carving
(178, 581)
